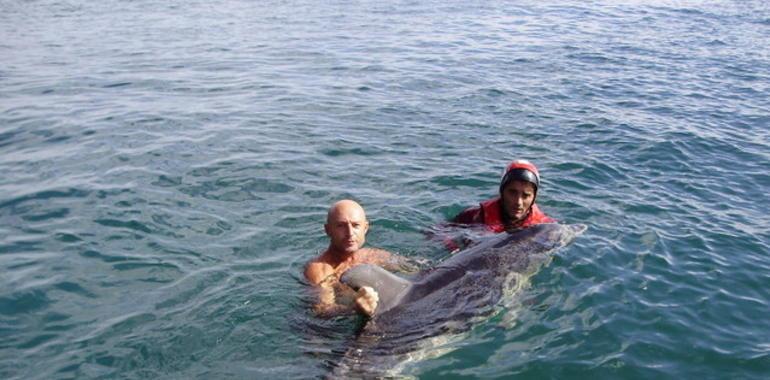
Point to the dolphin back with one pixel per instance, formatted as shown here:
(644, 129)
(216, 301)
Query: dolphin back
(389, 287)
(446, 299)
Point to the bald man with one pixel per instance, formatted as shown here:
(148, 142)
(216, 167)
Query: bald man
(346, 226)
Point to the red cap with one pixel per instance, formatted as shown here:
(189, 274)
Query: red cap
(521, 170)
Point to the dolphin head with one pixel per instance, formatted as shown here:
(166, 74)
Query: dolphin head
(526, 249)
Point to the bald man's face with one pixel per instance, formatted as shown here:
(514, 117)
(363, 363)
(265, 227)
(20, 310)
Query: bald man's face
(346, 227)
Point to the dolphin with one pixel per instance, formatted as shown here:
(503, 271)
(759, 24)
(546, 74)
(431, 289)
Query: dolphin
(444, 300)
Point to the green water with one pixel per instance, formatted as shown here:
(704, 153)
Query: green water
(166, 170)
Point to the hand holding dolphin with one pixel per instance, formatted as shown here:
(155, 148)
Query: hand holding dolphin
(366, 301)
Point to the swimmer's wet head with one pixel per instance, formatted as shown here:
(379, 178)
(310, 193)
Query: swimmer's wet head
(518, 190)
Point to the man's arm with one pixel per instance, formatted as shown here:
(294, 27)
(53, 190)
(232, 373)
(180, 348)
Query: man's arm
(316, 272)
(327, 306)
(321, 276)
(470, 215)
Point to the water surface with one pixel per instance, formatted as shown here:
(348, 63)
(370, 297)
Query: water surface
(167, 169)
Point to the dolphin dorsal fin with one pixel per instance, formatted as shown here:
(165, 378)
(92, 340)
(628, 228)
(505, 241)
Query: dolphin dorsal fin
(389, 287)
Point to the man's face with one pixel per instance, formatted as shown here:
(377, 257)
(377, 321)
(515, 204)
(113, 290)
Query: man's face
(347, 230)
(517, 199)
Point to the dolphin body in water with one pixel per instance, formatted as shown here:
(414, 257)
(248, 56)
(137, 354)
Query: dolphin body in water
(445, 300)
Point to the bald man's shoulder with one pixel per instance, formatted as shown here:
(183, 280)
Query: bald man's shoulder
(317, 270)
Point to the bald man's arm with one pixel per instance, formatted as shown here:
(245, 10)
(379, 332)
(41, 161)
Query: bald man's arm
(316, 272)
(321, 276)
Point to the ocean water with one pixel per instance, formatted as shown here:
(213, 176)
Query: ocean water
(167, 166)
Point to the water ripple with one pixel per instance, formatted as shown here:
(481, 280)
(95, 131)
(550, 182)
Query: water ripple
(167, 169)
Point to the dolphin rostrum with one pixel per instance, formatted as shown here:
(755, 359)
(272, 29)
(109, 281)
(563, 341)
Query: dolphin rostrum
(446, 299)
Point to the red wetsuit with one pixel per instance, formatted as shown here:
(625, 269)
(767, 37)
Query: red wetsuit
(490, 214)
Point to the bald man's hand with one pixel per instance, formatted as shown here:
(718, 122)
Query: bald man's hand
(366, 301)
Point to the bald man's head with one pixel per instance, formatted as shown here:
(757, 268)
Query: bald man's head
(345, 206)
(346, 226)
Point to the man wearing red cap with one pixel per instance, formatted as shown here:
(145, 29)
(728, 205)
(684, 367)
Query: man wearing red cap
(515, 207)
